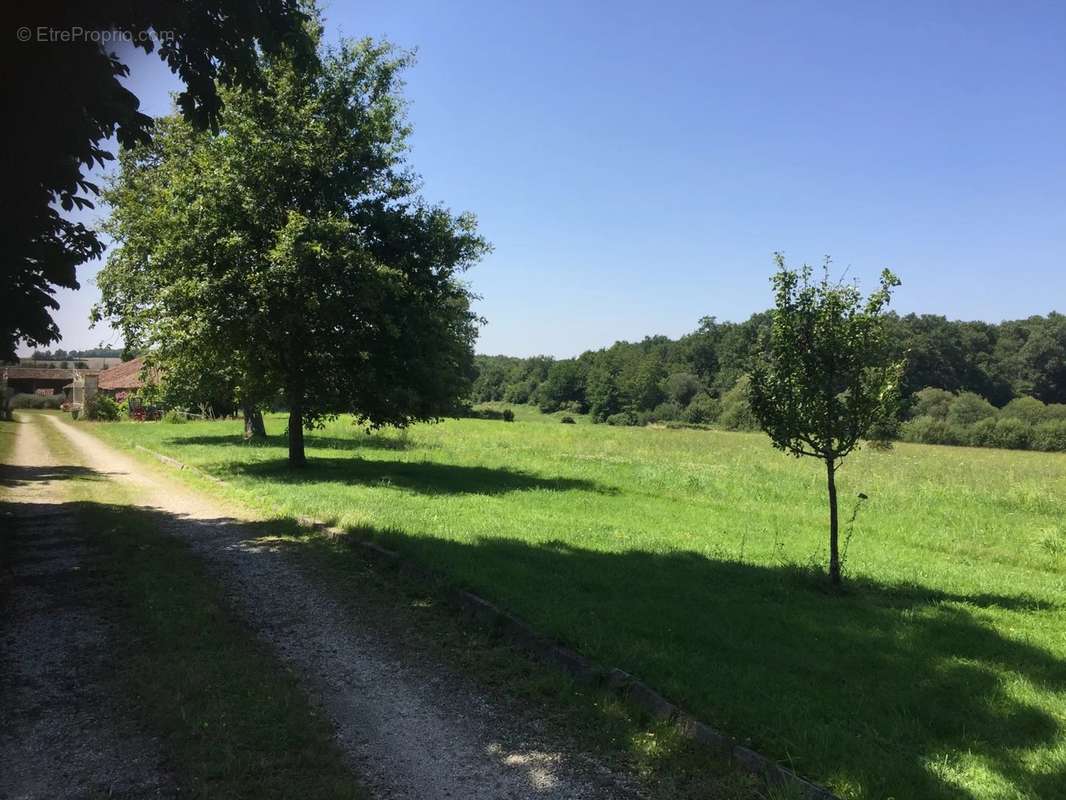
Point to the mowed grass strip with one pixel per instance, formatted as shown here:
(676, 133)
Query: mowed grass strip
(233, 722)
(686, 558)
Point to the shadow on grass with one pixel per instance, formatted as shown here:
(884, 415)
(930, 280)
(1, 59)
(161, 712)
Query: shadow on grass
(863, 689)
(885, 690)
(422, 477)
(358, 441)
(231, 720)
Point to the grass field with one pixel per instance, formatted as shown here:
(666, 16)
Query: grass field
(685, 558)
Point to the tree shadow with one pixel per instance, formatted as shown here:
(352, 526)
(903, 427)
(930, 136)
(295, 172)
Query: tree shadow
(884, 690)
(366, 441)
(12, 476)
(422, 477)
(868, 688)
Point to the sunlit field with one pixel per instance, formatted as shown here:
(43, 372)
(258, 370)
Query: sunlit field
(690, 559)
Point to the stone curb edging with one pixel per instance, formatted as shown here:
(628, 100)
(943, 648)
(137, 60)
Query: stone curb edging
(173, 462)
(635, 692)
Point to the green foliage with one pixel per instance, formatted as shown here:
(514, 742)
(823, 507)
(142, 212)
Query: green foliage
(942, 359)
(931, 402)
(966, 419)
(100, 407)
(969, 408)
(736, 412)
(293, 254)
(702, 410)
(1027, 409)
(604, 394)
(52, 401)
(640, 381)
(931, 430)
(681, 387)
(70, 98)
(665, 412)
(174, 417)
(564, 386)
(622, 418)
(981, 434)
(827, 374)
(1049, 436)
(507, 415)
(1010, 434)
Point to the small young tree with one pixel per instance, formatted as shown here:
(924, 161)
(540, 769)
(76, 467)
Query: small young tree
(826, 375)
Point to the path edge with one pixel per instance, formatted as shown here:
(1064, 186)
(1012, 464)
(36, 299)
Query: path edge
(489, 617)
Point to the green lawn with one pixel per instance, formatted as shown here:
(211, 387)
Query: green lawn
(684, 557)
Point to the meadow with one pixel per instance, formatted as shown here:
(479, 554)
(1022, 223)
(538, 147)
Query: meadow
(693, 559)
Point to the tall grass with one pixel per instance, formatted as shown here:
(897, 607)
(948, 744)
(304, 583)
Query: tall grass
(692, 559)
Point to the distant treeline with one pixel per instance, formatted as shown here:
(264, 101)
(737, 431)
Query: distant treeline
(697, 378)
(66, 355)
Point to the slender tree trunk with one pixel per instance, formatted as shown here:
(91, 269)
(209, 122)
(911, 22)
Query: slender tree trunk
(253, 422)
(834, 554)
(296, 435)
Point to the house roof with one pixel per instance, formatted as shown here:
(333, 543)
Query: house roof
(124, 376)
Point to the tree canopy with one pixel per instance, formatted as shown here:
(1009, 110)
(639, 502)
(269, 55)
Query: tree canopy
(63, 98)
(292, 254)
(826, 375)
(1018, 358)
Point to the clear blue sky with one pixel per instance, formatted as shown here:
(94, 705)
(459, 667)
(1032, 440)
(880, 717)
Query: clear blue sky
(635, 165)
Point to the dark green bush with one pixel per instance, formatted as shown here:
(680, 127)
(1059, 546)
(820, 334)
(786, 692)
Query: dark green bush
(568, 420)
(982, 433)
(508, 415)
(664, 412)
(931, 402)
(681, 387)
(622, 418)
(930, 430)
(100, 407)
(642, 417)
(702, 410)
(1049, 436)
(520, 393)
(1055, 412)
(736, 408)
(1028, 409)
(882, 434)
(969, 408)
(37, 401)
(1011, 434)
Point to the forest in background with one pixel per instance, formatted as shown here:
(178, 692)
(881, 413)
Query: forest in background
(970, 383)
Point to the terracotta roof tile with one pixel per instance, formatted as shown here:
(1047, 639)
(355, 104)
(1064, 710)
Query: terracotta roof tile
(123, 376)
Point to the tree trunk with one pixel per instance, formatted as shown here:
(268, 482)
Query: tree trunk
(296, 436)
(834, 554)
(253, 422)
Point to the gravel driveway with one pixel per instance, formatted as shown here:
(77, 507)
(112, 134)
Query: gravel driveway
(411, 728)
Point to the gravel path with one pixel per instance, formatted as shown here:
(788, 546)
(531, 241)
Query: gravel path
(410, 727)
(62, 733)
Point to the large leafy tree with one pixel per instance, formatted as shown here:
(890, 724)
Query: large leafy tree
(62, 97)
(295, 247)
(826, 376)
